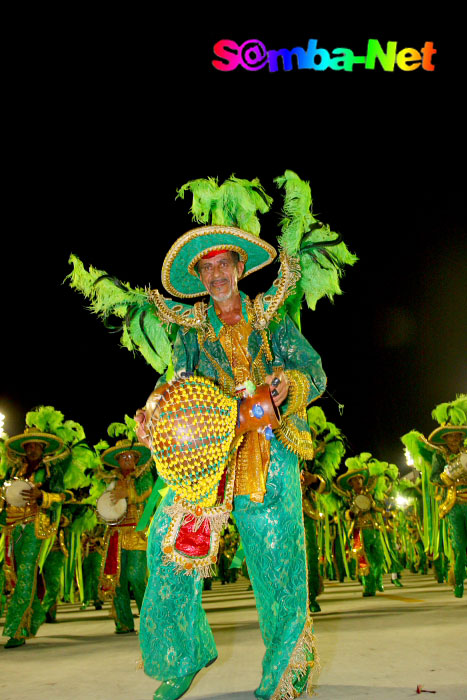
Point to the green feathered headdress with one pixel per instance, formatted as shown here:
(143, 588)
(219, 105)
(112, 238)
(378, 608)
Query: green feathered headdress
(130, 443)
(452, 417)
(323, 255)
(231, 212)
(44, 425)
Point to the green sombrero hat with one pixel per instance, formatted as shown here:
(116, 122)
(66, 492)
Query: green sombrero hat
(109, 457)
(229, 212)
(198, 242)
(452, 417)
(356, 466)
(438, 435)
(343, 480)
(51, 443)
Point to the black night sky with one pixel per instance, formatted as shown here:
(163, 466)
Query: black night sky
(108, 119)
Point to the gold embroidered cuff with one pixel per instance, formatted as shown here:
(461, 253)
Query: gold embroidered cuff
(48, 499)
(446, 479)
(299, 390)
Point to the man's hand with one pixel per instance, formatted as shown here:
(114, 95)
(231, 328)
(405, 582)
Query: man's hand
(120, 491)
(140, 429)
(31, 495)
(279, 389)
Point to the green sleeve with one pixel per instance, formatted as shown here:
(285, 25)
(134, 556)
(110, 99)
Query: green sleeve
(294, 352)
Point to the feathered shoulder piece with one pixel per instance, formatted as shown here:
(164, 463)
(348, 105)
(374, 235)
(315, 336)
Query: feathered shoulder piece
(321, 253)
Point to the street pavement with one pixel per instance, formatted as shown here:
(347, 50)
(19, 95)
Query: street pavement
(380, 648)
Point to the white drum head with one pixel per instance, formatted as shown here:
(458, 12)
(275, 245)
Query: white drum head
(362, 502)
(111, 513)
(12, 491)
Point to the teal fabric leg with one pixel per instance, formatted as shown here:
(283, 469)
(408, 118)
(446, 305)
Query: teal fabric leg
(25, 614)
(52, 570)
(91, 570)
(175, 637)
(121, 603)
(273, 538)
(458, 533)
(375, 555)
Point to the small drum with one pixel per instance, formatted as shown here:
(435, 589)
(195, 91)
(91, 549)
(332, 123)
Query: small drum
(362, 503)
(457, 469)
(12, 492)
(111, 513)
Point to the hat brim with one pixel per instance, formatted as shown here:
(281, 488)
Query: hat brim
(51, 443)
(109, 457)
(179, 276)
(437, 436)
(343, 480)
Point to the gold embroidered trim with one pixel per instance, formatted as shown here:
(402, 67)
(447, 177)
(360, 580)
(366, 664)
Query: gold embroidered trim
(297, 441)
(217, 516)
(289, 275)
(299, 665)
(299, 390)
(204, 231)
(190, 318)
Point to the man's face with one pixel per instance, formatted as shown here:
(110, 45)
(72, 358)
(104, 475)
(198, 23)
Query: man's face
(356, 482)
(454, 441)
(220, 275)
(127, 461)
(33, 450)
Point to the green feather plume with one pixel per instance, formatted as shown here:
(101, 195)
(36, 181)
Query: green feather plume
(234, 203)
(452, 412)
(420, 451)
(329, 443)
(359, 461)
(128, 429)
(140, 325)
(322, 253)
(45, 418)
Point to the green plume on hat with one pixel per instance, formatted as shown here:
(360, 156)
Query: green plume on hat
(452, 412)
(381, 471)
(128, 429)
(234, 203)
(322, 252)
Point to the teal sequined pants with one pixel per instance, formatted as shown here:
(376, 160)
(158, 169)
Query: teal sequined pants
(175, 637)
(52, 572)
(312, 553)
(91, 571)
(458, 533)
(132, 573)
(25, 614)
(375, 555)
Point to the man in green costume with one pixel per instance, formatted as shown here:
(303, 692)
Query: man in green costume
(237, 343)
(367, 547)
(124, 560)
(28, 528)
(449, 472)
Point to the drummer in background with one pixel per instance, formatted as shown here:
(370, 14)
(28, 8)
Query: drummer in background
(449, 471)
(124, 560)
(29, 527)
(367, 548)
